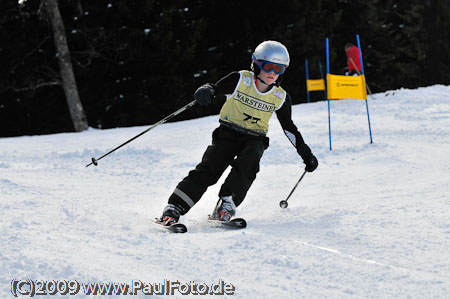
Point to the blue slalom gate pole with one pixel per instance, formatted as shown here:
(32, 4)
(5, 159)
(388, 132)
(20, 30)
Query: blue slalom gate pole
(362, 72)
(328, 71)
(307, 77)
(321, 76)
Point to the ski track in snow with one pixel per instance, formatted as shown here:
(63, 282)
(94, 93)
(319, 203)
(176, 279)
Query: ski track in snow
(373, 221)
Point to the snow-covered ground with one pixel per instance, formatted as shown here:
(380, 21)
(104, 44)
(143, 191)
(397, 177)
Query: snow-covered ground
(373, 221)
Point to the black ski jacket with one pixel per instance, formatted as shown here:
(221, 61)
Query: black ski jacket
(227, 85)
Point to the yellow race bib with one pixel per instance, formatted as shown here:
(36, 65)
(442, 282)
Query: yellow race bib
(248, 108)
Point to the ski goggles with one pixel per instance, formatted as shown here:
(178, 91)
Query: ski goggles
(270, 66)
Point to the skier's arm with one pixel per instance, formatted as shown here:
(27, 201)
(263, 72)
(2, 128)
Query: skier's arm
(227, 84)
(207, 92)
(284, 115)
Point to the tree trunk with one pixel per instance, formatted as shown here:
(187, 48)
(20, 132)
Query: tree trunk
(78, 8)
(68, 78)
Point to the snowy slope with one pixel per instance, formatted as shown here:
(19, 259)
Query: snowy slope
(373, 221)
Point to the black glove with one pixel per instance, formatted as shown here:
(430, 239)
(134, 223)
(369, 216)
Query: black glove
(309, 159)
(204, 94)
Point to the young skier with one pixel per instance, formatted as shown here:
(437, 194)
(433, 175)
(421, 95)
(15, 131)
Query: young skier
(240, 140)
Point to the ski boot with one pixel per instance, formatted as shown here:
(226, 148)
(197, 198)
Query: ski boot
(225, 209)
(171, 215)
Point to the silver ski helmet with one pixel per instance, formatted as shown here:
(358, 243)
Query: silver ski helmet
(272, 51)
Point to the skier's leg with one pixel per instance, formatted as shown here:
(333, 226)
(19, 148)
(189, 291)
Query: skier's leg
(215, 160)
(244, 170)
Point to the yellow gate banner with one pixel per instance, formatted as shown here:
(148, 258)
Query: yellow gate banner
(346, 87)
(315, 84)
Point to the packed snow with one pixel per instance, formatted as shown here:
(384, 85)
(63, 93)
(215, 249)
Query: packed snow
(373, 221)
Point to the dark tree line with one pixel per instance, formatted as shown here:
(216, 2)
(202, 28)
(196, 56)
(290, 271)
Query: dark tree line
(136, 61)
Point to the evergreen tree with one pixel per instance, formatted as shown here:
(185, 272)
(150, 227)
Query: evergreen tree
(29, 86)
(136, 61)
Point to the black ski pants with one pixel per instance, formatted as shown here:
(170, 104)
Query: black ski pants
(229, 147)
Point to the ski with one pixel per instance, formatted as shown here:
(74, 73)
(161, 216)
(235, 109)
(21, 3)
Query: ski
(236, 223)
(177, 228)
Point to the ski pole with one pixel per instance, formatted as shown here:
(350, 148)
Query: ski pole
(284, 203)
(95, 161)
(359, 74)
